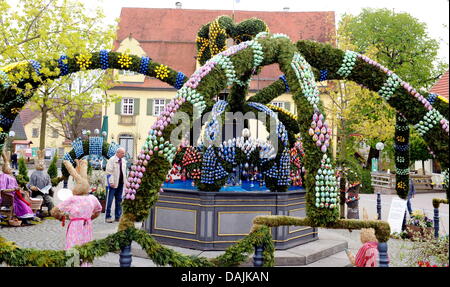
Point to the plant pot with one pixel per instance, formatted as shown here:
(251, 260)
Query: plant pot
(419, 232)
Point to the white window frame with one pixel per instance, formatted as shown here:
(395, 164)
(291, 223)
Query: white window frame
(158, 106)
(127, 73)
(278, 104)
(127, 108)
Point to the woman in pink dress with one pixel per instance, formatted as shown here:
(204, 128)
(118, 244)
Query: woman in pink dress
(8, 183)
(81, 208)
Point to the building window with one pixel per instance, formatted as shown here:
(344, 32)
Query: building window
(127, 142)
(35, 133)
(127, 73)
(278, 104)
(128, 107)
(158, 107)
(54, 133)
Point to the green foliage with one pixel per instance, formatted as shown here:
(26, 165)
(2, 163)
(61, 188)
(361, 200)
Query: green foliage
(22, 177)
(424, 249)
(43, 32)
(418, 149)
(401, 42)
(382, 228)
(53, 169)
(216, 32)
(324, 56)
(438, 201)
(160, 255)
(402, 156)
(366, 182)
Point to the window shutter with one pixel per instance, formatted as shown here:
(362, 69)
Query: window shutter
(150, 107)
(287, 106)
(136, 107)
(119, 107)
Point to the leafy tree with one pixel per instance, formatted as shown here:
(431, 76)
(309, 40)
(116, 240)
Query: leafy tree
(419, 150)
(45, 30)
(399, 42)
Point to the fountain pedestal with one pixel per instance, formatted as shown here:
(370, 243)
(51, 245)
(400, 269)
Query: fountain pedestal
(217, 220)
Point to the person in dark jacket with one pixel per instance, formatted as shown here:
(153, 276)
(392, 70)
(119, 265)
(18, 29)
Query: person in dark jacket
(14, 160)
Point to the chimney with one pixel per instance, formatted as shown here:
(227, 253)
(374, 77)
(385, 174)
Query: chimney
(178, 5)
(286, 9)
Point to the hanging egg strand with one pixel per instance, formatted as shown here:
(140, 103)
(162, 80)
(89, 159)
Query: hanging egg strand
(320, 131)
(326, 190)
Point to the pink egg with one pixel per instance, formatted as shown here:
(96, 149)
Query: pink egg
(150, 152)
(143, 169)
(133, 167)
(323, 148)
(145, 163)
(159, 133)
(132, 197)
(156, 148)
(136, 186)
(318, 143)
(319, 123)
(147, 157)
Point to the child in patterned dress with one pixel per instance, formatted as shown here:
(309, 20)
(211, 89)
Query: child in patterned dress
(81, 208)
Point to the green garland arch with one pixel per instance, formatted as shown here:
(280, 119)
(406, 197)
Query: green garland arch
(19, 79)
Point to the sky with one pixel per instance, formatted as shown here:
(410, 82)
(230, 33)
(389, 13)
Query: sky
(435, 13)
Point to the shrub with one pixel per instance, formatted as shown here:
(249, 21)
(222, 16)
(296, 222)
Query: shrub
(53, 169)
(366, 182)
(22, 177)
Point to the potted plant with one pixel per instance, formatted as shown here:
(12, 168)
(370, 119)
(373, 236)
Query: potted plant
(98, 181)
(100, 193)
(419, 226)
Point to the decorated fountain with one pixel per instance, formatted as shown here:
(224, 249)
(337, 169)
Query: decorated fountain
(215, 189)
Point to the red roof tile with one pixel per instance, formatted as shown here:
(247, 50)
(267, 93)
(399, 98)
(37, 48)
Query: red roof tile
(441, 87)
(27, 115)
(168, 35)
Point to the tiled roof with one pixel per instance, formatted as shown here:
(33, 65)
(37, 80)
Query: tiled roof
(27, 115)
(17, 127)
(168, 35)
(441, 87)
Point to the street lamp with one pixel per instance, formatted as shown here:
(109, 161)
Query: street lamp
(379, 146)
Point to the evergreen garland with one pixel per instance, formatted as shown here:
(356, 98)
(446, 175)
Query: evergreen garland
(401, 139)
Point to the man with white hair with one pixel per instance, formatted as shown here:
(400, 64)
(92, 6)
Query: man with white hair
(116, 169)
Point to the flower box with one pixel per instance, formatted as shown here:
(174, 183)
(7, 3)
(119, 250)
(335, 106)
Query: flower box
(419, 232)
